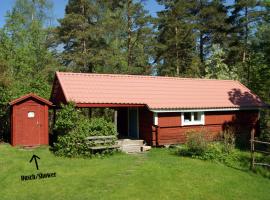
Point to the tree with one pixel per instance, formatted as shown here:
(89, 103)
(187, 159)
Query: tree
(139, 36)
(189, 28)
(215, 66)
(209, 19)
(79, 35)
(175, 48)
(25, 60)
(105, 36)
(245, 16)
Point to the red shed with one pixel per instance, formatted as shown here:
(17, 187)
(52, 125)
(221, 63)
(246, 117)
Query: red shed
(29, 121)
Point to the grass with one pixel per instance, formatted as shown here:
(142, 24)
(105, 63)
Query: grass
(157, 174)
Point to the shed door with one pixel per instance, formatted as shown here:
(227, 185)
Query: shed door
(133, 124)
(31, 124)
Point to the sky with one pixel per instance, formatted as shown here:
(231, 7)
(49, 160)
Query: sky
(59, 8)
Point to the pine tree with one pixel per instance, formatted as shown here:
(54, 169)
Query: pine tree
(79, 35)
(106, 36)
(139, 36)
(189, 26)
(175, 49)
(244, 19)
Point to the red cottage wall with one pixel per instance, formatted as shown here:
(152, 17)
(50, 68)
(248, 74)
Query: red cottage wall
(170, 130)
(57, 96)
(145, 125)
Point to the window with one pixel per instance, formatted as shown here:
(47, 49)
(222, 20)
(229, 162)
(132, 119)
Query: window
(192, 118)
(31, 114)
(187, 117)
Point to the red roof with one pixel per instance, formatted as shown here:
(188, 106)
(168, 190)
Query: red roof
(155, 91)
(30, 95)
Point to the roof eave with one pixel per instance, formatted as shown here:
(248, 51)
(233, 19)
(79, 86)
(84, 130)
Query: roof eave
(15, 101)
(209, 109)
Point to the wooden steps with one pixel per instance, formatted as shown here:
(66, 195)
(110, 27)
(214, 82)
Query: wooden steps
(132, 146)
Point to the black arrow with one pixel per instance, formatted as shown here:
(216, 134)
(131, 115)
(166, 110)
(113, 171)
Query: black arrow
(35, 157)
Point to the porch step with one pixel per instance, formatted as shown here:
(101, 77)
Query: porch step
(132, 146)
(130, 142)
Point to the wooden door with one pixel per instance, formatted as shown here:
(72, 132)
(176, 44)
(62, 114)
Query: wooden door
(133, 123)
(31, 124)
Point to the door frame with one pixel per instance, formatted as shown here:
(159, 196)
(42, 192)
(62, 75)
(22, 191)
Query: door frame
(137, 111)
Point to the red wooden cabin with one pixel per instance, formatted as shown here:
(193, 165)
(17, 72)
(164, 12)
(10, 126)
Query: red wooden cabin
(161, 110)
(29, 121)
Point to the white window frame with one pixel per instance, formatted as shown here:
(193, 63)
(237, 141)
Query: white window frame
(192, 122)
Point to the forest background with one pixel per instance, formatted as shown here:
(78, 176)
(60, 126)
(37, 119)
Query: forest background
(221, 39)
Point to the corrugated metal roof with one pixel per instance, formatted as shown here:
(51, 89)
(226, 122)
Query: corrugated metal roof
(155, 91)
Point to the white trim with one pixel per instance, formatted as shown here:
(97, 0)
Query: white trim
(201, 110)
(192, 122)
(155, 120)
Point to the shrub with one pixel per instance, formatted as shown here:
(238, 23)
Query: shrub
(228, 138)
(196, 142)
(66, 119)
(213, 152)
(73, 144)
(72, 129)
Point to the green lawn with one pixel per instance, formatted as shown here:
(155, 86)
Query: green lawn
(157, 174)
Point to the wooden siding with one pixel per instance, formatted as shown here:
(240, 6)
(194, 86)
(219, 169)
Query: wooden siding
(27, 131)
(145, 125)
(170, 130)
(57, 96)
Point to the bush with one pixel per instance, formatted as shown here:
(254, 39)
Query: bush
(228, 138)
(222, 152)
(198, 147)
(72, 144)
(196, 142)
(66, 119)
(73, 128)
(213, 152)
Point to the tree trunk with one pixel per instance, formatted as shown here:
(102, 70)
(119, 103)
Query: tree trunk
(247, 66)
(129, 34)
(177, 52)
(201, 48)
(86, 65)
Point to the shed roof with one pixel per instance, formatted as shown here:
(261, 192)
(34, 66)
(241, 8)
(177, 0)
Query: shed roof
(30, 95)
(155, 91)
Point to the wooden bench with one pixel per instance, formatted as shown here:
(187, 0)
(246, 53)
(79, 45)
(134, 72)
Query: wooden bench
(101, 142)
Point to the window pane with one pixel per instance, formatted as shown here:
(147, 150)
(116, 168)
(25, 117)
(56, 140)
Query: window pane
(187, 117)
(197, 116)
